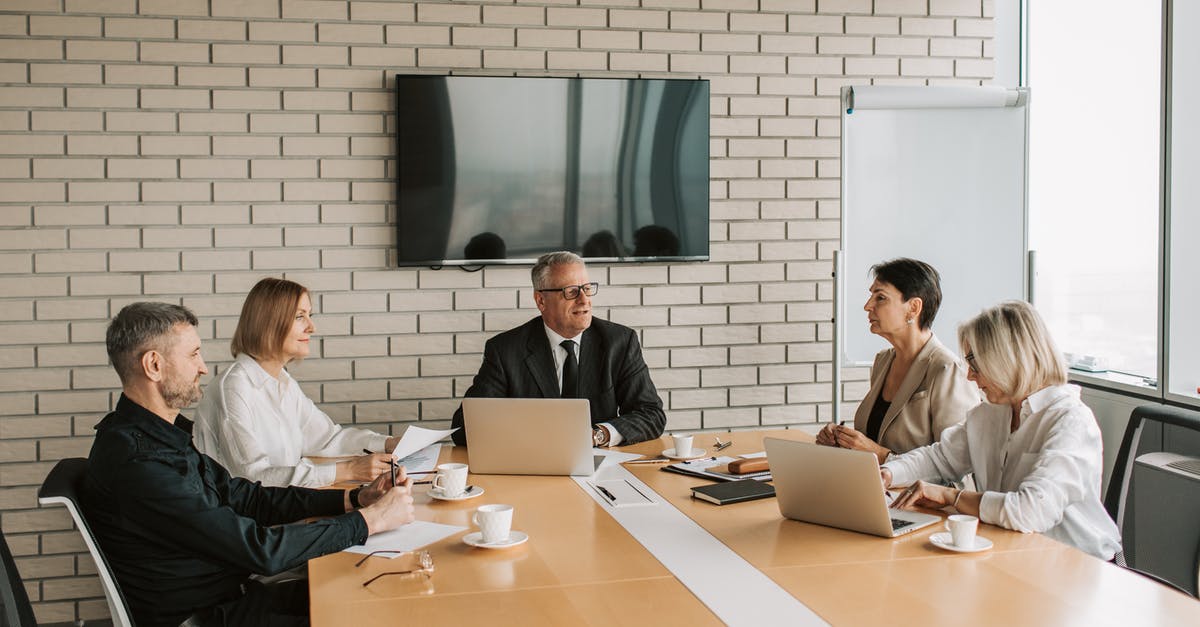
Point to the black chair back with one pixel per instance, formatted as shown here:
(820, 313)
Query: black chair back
(16, 611)
(62, 487)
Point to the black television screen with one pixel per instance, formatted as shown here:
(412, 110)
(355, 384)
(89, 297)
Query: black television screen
(499, 169)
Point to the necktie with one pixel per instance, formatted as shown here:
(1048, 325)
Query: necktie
(570, 379)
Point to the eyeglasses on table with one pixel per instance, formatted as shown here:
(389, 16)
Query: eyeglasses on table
(424, 565)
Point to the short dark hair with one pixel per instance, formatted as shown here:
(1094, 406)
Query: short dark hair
(142, 327)
(913, 279)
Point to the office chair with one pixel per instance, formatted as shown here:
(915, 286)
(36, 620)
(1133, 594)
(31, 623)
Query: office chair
(1156, 512)
(62, 486)
(15, 609)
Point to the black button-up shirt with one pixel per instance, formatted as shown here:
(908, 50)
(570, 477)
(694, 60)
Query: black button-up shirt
(180, 533)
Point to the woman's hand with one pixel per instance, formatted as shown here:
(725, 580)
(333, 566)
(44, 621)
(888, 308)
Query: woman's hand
(365, 467)
(827, 435)
(922, 494)
(850, 437)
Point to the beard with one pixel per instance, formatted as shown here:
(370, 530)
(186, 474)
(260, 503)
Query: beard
(179, 393)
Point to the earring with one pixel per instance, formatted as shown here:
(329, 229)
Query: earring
(909, 320)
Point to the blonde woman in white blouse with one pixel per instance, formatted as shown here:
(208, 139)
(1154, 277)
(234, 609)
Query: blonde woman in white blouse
(257, 422)
(1034, 446)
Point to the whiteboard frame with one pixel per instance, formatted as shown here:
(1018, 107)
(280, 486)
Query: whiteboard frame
(1028, 270)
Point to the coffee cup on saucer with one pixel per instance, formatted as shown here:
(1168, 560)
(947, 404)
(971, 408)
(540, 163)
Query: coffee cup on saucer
(494, 522)
(962, 528)
(451, 480)
(683, 444)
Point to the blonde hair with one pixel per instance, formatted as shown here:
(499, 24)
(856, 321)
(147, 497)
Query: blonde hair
(1013, 349)
(266, 318)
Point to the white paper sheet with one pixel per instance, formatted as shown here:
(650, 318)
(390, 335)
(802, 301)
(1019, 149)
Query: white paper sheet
(410, 537)
(422, 462)
(738, 593)
(416, 439)
(612, 457)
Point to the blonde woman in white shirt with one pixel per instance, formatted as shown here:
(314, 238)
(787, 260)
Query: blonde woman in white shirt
(257, 422)
(1034, 446)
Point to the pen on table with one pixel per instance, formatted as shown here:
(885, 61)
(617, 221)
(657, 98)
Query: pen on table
(654, 460)
(605, 492)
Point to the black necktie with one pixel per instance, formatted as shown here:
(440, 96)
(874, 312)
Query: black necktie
(570, 380)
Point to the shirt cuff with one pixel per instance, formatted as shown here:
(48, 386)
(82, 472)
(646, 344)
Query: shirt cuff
(614, 436)
(326, 473)
(991, 507)
(377, 443)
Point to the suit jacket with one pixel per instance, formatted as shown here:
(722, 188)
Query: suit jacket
(612, 376)
(935, 394)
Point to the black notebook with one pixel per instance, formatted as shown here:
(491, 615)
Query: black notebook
(734, 491)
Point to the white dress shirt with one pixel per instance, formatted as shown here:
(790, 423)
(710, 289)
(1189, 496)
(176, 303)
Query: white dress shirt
(560, 357)
(261, 428)
(1044, 477)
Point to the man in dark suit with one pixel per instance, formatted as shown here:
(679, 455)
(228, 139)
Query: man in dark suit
(566, 353)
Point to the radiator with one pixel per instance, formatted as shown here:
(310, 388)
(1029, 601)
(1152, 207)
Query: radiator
(1166, 532)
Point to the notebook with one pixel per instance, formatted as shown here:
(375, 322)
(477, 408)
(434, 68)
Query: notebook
(734, 491)
(836, 487)
(529, 436)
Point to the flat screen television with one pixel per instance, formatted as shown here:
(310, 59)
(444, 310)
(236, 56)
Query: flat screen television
(500, 169)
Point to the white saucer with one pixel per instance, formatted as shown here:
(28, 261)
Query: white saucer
(469, 494)
(696, 452)
(475, 538)
(944, 540)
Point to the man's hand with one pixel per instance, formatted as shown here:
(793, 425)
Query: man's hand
(386, 507)
(364, 467)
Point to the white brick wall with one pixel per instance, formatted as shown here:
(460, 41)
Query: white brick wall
(181, 149)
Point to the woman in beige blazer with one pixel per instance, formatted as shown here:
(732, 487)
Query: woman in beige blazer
(918, 387)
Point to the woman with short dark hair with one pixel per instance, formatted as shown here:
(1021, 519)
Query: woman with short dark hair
(918, 387)
(257, 422)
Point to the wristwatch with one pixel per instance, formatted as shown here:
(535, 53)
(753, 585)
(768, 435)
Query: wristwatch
(599, 436)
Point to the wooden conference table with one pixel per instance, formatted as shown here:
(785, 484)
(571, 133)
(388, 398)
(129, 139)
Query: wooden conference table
(581, 567)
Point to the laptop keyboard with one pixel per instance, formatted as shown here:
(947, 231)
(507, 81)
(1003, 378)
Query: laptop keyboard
(898, 524)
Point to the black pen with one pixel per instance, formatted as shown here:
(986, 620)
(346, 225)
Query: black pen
(835, 440)
(605, 491)
(391, 462)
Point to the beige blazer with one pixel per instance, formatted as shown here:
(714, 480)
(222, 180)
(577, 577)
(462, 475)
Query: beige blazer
(935, 394)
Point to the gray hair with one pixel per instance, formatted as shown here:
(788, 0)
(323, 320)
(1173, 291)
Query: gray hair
(1013, 349)
(541, 270)
(139, 328)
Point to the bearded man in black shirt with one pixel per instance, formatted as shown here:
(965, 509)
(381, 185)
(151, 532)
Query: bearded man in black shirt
(182, 536)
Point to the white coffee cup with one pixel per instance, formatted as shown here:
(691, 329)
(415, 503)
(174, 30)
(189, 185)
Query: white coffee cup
(451, 479)
(683, 444)
(962, 529)
(494, 521)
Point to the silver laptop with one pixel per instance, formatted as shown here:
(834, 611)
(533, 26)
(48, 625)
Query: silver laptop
(836, 487)
(529, 436)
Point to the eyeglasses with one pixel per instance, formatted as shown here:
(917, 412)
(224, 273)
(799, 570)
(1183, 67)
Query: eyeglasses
(971, 365)
(571, 292)
(424, 561)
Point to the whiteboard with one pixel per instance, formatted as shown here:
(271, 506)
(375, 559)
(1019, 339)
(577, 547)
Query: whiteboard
(936, 174)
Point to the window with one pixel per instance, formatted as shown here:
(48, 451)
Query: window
(1183, 259)
(1095, 178)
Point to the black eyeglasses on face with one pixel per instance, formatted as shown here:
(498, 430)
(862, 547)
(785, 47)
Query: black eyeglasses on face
(424, 565)
(571, 292)
(971, 365)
